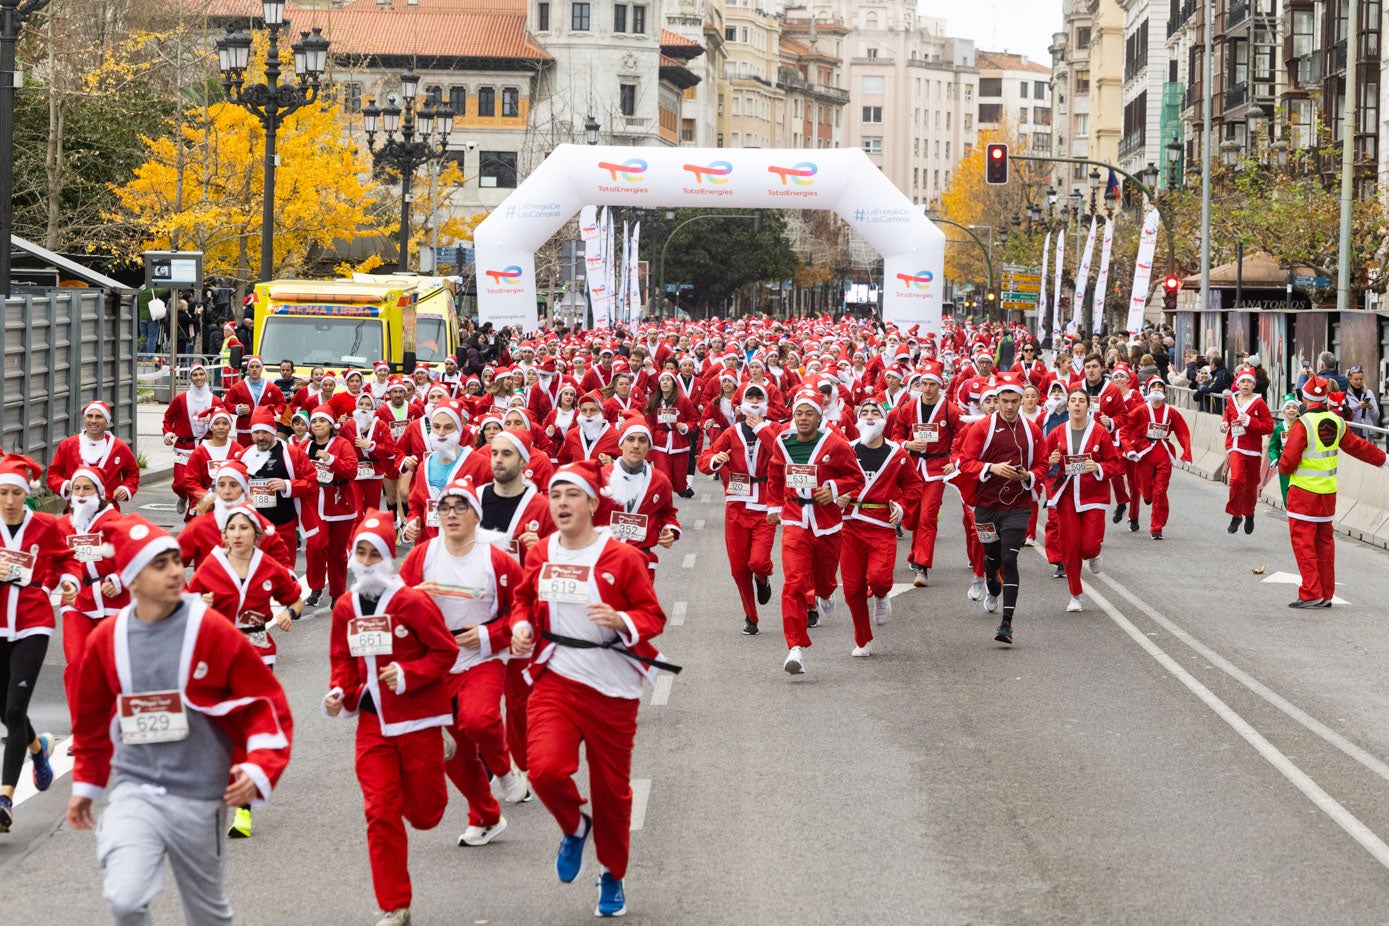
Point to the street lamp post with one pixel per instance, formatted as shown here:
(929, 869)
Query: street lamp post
(591, 128)
(408, 153)
(270, 102)
(12, 16)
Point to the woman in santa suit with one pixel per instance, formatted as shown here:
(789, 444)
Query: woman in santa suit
(1148, 438)
(1245, 424)
(446, 461)
(594, 438)
(1081, 457)
(185, 424)
(375, 451)
(216, 448)
(642, 511)
(391, 654)
(472, 581)
(335, 504)
(33, 556)
(539, 467)
(239, 581)
(721, 412)
(560, 420)
(587, 607)
(674, 423)
(101, 594)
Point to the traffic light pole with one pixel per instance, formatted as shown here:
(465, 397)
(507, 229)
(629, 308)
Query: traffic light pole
(988, 257)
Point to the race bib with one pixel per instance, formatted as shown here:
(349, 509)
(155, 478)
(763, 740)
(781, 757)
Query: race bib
(739, 484)
(1157, 430)
(563, 584)
(370, 636)
(801, 476)
(1236, 430)
(1075, 464)
(431, 513)
(629, 527)
(16, 566)
(261, 495)
(398, 428)
(252, 624)
(927, 432)
(212, 466)
(514, 548)
(986, 531)
(366, 469)
(325, 472)
(86, 547)
(152, 717)
(181, 457)
(667, 416)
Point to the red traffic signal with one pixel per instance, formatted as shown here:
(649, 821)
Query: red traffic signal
(1172, 284)
(996, 164)
(1169, 293)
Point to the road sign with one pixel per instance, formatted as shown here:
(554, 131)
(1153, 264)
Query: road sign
(1321, 282)
(1028, 299)
(1021, 268)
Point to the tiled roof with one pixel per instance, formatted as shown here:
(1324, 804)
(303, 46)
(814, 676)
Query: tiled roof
(675, 38)
(1002, 61)
(792, 47)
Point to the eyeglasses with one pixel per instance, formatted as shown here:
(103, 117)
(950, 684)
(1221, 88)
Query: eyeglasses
(453, 509)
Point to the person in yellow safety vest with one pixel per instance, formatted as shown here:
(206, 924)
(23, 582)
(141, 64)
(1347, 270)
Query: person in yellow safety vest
(227, 376)
(1311, 451)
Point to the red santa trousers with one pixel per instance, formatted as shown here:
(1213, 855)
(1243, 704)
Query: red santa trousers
(1119, 487)
(808, 567)
(1032, 523)
(1244, 483)
(1051, 537)
(1154, 472)
(973, 548)
(477, 719)
(749, 539)
(866, 560)
(77, 627)
(563, 714)
(927, 524)
(368, 495)
(1079, 536)
(327, 553)
(402, 779)
(1131, 481)
(676, 466)
(1314, 547)
(518, 693)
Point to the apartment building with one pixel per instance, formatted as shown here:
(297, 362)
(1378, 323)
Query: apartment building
(698, 23)
(1070, 87)
(812, 74)
(754, 104)
(1146, 74)
(1015, 96)
(1106, 79)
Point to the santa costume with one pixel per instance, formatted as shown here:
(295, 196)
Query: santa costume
(1245, 424)
(641, 504)
(111, 455)
(1149, 433)
(186, 421)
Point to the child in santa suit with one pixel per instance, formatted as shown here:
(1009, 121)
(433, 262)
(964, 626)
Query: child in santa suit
(95, 446)
(335, 464)
(1080, 457)
(642, 511)
(181, 719)
(98, 592)
(674, 425)
(472, 581)
(1149, 432)
(215, 448)
(739, 456)
(391, 654)
(203, 534)
(1245, 424)
(375, 451)
(891, 487)
(33, 555)
(447, 459)
(586, 600)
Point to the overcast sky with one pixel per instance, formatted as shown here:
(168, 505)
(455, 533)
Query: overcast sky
(1023, 27)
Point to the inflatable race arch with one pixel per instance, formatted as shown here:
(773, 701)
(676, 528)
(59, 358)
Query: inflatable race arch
(843, 180)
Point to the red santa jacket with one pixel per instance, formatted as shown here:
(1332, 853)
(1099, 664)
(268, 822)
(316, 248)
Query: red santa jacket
(31, 562)
(1250, 440)
(654, 512)
(576, 447)
(470, 462)
(422, 649)
(1087, 491)
(1150, 426)
(378, 454)
(980, 449)
(224, 679)
(198, 474)
(939, 427)
(596, 378)
(665, 426)
(614, 407)
(746, 458)
(90, 565)
(187, 429)
(247, 603)
(1108, 401)
(344, 404)
(553, 432)
(896, 484)
(506, 579)
(1311, 506)
(201, 536)
(116, 463)
(333, 478)
(836, 468)
(397, 426)
(532, 516)
(240, 394)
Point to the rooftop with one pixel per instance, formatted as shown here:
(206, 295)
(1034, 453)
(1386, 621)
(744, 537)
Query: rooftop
(1003, 61)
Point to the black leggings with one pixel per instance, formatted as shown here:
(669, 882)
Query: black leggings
(1001, 557)
(20, 662)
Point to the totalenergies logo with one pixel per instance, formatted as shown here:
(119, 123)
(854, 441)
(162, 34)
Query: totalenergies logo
(511, 276)
(632, 171)
(716, 172)
(800, 174)
(919, 280)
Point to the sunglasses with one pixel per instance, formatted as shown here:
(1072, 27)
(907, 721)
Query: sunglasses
(1356, 369)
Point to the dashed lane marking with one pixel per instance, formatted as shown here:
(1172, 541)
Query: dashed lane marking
(641, 794)
(677, 613)
(1294, 578)
(900, 587)
(60, 762)
(689, 560)
(660, 694)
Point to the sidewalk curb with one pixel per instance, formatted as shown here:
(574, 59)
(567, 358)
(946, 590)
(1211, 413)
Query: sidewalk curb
(155, 475)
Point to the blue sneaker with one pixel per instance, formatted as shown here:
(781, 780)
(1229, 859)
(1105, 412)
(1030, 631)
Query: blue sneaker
(43, 772)
(6, 814)
(611, 901)
(571, 853)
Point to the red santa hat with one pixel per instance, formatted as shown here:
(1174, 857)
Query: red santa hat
(1246, 373)
(92, 473)
(593, 396)
(329, 378)
(1152, 381)
(325, 412)
(586, 474)
(932, 370)
(1122, 369)
(521, 439)
(263, 419)
(254, 359)
(196, 366)
(97, 406)
(20, 471)
(258, 521)
(134, 543)
(381, 366)
(451, 408)
(378, 529)
(547, 367)
(214, 411)
(634, 422)
(441, 391)
(366, 394)
(395, 382)
(811, 397)
(1315, 389)
(236, 470)
(1008, 382)
(463, 488)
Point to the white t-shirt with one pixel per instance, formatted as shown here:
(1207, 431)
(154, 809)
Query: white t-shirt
(467, 595)
(602, 670)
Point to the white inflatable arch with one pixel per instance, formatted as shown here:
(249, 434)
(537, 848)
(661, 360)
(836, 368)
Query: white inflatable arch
(841, 179)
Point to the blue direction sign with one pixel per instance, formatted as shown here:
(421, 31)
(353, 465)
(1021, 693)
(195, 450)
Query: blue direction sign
(1321, 282)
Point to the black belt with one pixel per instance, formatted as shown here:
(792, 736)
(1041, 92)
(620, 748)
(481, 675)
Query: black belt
(576, 643)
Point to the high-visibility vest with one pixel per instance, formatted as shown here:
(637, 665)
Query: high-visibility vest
(1316, 471)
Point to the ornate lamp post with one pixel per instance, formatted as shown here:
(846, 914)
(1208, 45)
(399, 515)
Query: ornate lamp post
(270, 101)
(424, 139)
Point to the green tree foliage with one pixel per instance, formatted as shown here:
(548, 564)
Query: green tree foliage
(720, 255)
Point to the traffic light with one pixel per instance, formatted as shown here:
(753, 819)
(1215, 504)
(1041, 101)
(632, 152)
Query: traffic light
(996, 164)
(989, 297)
(1169, 293)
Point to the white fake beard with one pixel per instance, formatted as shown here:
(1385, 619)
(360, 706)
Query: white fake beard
(592, 426)
(870, 431)
(1053, 405)
(754, 408)
(1156, 398)
(446, 445)
(363, 421)
(371, 581)
(84, 509)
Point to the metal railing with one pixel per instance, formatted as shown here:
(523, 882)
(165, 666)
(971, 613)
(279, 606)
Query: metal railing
(1190, 399)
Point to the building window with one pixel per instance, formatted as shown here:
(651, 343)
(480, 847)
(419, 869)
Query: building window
(873, 115)
(639, 20)
(511, 102)
(627, 94)
(1022, 90)
(990, 113)
(1082, 124)
(872, 85)
(990, 86)
(352, 96)
(497, 169)
(969, 93)
(619, 17)
(1083, 81)
(458, 100)
(434, 94)
(1039, 89)
(486, 101)
(1082, 37)
(730, 33)
(580, 17)
(542, 19)
(872, 53)
(873, 145)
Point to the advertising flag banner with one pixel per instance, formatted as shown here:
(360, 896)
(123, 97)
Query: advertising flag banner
(1143, 271)
(1083, 277)
(590, 231)
(1102, 279)
(1042, 293)
(1056, 290)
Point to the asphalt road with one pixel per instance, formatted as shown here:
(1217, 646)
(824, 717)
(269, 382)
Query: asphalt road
(1187, 750)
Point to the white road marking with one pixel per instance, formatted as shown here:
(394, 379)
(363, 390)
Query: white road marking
(900, 587)
(641, 793)
(660, 694)
(689, 560)
(60, 762)
(1299, 779)
(677, 613)
(159, 506)
(1293, 578)
(699, 525)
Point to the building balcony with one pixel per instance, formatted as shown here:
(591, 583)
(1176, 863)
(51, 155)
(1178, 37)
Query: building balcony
(830, 94)
(1307, 71)
(1177, 20)
(1132, 143)
(1236, 96)
(1238, 13)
